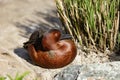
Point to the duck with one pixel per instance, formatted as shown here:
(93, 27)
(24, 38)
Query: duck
(52, 49)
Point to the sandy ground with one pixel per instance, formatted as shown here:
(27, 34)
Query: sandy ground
(18, 19)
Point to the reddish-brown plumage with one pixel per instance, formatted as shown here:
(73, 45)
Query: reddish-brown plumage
(56, 52)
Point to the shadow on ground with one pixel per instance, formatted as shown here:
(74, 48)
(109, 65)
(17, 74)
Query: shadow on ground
(51, 20)
(21, 52)
(115, 56)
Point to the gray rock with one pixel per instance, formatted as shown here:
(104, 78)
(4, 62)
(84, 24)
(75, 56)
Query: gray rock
(98, 71)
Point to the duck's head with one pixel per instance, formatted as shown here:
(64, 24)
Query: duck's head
(52, 37)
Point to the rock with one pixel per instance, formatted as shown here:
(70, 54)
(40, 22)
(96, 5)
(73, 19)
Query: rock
(101, 71)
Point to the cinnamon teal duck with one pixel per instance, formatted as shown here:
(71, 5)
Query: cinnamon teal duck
(52, 49)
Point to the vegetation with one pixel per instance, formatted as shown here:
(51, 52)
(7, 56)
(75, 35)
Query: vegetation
(93, 23)
(17, 77)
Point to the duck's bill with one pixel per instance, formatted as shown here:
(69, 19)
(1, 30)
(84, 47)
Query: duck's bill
(65, 36)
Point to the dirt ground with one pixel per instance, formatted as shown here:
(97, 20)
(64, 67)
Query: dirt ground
(18, 19)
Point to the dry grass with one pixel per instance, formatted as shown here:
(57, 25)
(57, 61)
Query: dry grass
(93, 23)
